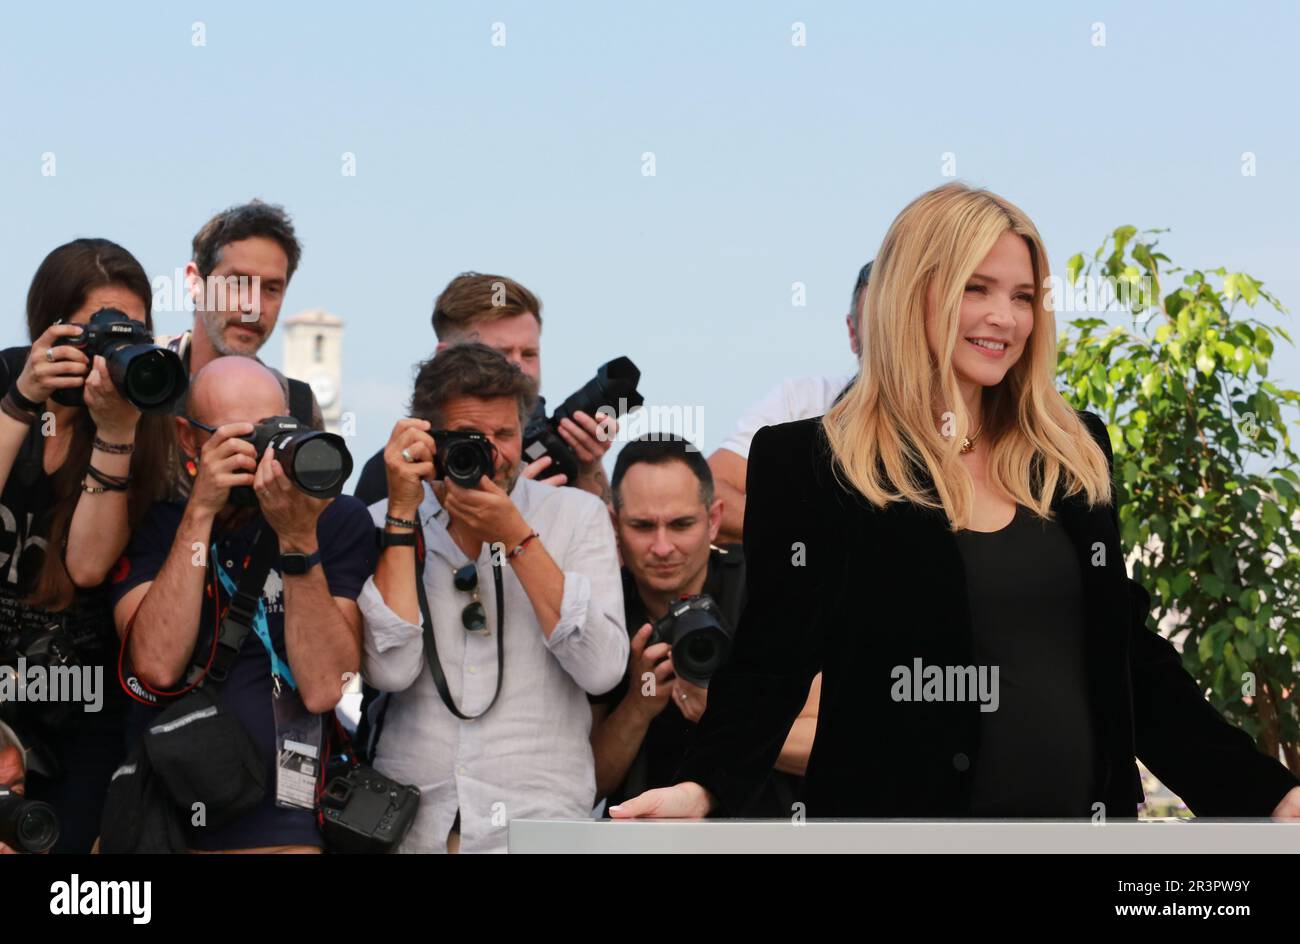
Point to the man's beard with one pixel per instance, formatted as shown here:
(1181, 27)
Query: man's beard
(214, 325)
(507, 482)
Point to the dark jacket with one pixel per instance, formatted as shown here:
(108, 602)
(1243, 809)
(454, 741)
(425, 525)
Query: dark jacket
(839, 586)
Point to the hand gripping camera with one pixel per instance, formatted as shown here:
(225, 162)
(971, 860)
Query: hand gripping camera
(613, 387)
(152, 378)
(700, 637)
(317, 462)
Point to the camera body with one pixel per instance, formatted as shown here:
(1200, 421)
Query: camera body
(151, 377)
(463, 455)
(613, 387)
(51, 647)
(362, 811)
(700, 637)
(26, 825)
(317, 462)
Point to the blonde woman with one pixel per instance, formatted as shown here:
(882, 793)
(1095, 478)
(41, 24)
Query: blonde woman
(943, 546)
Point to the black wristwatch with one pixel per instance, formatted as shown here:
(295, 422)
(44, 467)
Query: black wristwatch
(295, 563)
(395, 539)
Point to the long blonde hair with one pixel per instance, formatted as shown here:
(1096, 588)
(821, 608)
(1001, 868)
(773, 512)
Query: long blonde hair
(882, 432)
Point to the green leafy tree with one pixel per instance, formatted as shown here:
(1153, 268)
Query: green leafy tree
(1209, 491)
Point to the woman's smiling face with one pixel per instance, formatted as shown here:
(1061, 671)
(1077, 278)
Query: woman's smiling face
(996, 316)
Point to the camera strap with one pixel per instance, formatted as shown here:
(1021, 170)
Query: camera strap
(431, 646)
(260, 625)
(244, 608)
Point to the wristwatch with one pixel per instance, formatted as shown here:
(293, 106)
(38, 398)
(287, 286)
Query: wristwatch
(395, 539)
(295, 563)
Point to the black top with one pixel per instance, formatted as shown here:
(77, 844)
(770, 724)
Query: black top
(1026, 602)
(26, 505)
(372, 484)
(840, 586)
(73, 749)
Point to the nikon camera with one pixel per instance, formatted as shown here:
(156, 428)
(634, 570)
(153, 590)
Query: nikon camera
(152, 378)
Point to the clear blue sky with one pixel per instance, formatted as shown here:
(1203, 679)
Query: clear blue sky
(774, 163)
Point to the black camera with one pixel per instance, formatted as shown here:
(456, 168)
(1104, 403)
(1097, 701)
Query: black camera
(317, 462)
(362, 812)
(151, 377)
(700, 637)
(51, 647)
(613, 387)
(27, 825)
(463, 455)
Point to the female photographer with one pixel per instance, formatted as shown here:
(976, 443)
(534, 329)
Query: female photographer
(73, 479)
(944, 547)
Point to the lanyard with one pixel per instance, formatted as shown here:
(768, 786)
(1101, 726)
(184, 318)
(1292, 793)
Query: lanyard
(260, 624)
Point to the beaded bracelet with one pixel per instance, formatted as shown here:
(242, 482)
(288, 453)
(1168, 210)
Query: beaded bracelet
(117, 449)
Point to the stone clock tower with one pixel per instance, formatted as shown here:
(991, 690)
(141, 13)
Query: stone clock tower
(313, 351)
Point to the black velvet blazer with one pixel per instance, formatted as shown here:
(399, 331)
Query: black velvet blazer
(837, 586)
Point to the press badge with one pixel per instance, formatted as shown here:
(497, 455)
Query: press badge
(297, 749)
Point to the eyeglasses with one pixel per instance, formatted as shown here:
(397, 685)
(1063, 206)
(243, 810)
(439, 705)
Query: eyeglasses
(465, 579)
(195, 423)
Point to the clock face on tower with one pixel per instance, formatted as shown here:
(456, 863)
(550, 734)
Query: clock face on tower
(323, 386)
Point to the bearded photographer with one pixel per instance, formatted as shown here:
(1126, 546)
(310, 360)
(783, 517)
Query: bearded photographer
(522, 607)
(182, 568)
(666, 517)
(78, 465)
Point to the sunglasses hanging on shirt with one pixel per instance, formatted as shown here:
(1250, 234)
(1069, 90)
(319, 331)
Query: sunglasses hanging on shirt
(465, 579)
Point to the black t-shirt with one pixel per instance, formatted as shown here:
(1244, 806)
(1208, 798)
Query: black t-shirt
(72, 752)
(670, 733)
(26, 508)
(1037, 753)
(372, 484)
(346, 536)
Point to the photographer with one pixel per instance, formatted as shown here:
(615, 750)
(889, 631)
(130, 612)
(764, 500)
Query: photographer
(187, 556)
(797, 398)
(666, 518)
(73, 479)
(241, 263)
(504, 315)
(523, 612)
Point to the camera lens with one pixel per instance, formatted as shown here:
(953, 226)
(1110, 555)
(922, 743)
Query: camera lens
(318, 465)
(151, 377)
(38, 828)
(27, 825)
(463, 461)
